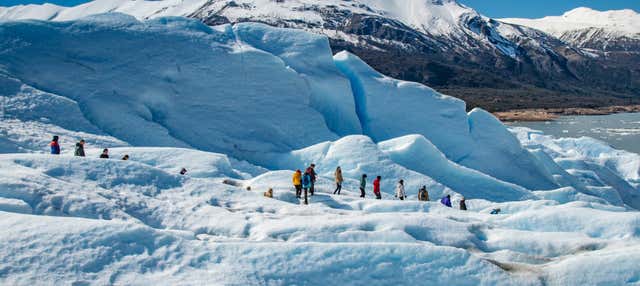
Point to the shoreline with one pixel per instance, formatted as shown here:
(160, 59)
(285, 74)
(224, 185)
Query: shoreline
(550, 114)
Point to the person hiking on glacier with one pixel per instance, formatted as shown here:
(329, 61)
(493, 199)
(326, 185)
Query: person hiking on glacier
(463, 204)
(446, 200)
(376, 188)
(312, 172)
(55, 147)
(306, 184)
(105, 154)
(79, 149)
(423, 194)
(363, 184)
(400, 190)
(297, 183)
(339, 180)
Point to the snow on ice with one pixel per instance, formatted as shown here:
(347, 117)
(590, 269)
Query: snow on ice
(246, 105)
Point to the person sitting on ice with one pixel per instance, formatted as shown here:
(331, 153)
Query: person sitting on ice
(423, 194)
(376, 188)
(463, 204)
(400, 190)
(55, 147)
(105, 154)
(125, 158)
(495, 211)
(446, 200)
(269, 193)
(183, 171)
(79, 151)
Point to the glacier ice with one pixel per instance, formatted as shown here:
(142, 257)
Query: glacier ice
(169, 91)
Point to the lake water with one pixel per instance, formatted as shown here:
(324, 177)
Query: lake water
(621, 131)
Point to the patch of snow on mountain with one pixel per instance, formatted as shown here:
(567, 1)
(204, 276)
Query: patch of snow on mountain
(616, 22)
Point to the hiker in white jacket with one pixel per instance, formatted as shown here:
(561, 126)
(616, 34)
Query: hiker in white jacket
(400, 190)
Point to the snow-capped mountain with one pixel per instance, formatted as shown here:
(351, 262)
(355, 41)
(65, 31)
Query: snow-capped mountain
(441, 43)
(617, 30)
(440, 19)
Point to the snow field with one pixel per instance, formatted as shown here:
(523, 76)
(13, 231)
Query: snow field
(133, 222)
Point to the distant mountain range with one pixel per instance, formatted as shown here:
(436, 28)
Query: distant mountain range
(584, 58)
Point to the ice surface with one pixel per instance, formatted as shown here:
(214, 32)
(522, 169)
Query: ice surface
(356, 155)
(608, 173)
(185, 73)
(330, 91)
(168, 91)
(417, 153)
(87, 220)
(390, 108)
(255, 87)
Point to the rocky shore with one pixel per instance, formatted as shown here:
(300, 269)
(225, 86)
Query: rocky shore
(548, 114)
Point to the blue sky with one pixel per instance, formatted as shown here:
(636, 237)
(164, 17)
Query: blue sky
(491, 8)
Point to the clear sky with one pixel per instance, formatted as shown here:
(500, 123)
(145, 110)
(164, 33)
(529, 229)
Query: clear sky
(491, 8)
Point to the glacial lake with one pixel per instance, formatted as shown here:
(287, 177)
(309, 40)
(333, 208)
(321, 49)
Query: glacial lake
(621, 131)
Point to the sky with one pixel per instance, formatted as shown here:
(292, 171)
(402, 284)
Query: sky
(491, 8)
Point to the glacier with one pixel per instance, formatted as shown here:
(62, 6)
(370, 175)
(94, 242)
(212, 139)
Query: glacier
(243, 106)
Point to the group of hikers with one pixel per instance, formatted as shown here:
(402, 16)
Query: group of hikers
(301, 181)
(79, 149)
(307, 182)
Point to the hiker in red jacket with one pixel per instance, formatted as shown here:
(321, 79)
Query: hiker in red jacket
(376, 188)
(55, 147)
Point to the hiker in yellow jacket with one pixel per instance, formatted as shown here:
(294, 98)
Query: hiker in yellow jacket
(339, 181)
(297, 183)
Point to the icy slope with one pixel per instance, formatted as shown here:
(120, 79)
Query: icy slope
(243, 90)
(164, 76)
(390, 108)
(86, 220)
(417, 153)
(606, 172)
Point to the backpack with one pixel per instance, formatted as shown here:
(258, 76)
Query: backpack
(306, 179)
(422, 195)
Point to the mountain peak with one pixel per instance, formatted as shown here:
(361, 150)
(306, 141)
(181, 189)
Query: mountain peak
(618, 23)
(592, 15)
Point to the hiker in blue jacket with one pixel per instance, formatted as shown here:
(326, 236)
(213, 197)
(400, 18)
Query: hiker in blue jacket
(446, 200)
(307, 182)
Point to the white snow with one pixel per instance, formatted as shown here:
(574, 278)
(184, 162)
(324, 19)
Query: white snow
(614, 22)
(444, 19)
(170, 91)
(432, 16)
